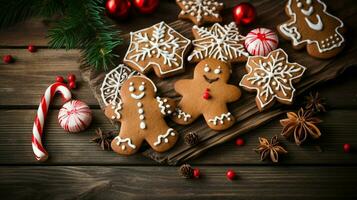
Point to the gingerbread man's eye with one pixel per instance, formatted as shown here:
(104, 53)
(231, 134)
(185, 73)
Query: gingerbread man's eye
(131, 89)
(141, 87)
(308, 2)
(217, 71)
(207, 69)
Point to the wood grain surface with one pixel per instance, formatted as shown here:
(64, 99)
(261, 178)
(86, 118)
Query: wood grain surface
(78, 169)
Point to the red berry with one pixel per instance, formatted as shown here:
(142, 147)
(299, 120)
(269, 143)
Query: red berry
(346, 148)
(59, 79)
(196, 173)
(7, 59)
(239, 142)
(72, 85)
(231, 175)
(31, 48)
(71, 78)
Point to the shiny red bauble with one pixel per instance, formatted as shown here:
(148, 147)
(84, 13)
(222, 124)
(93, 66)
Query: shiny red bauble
(346, 148)
(7, 59)
(118, 9)
(244, 13)
(31, 48)
(230, 174)
(146, 6)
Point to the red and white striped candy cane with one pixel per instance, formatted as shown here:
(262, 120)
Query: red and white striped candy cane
(37, 131)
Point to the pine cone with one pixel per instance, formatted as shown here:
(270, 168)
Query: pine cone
(191, 138)
(186, 171)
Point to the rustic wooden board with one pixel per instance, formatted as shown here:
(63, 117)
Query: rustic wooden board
(244, 110)
(61, 182)
(76, 149)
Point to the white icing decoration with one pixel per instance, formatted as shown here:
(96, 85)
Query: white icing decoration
(113, 82)
(142, 125)
(163, 107)
(198, 8)
(171, 50)
(221, 118)
(124, 140)
(315, 26)
(117, 108)
(275, 72)
(131, 89)
(181, 114)
(142, 88)
(290, 30)
(220, 42)
(307, 12)
(217, 71)
(169, 132)
(207, 69)
(137, 97)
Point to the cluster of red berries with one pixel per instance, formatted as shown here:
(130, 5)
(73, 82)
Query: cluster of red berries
(71, 80)
(9, 59)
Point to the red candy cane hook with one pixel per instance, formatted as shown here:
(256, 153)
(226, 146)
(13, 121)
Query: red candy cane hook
(37, 131)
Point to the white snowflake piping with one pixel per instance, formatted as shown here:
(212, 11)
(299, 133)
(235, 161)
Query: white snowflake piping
(179, 113)
(124, 140)
(156, 46)
(220, 42)
(200, 8)
(331, 42)
(169, 132)
(112, 83)
(221, 118)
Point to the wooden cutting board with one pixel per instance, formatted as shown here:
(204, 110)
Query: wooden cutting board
(270, 14)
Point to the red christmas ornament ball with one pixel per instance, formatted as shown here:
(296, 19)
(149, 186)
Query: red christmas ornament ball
(196, 173)
(118, 9)
(31, 48)
(8, 59)
(72, 85)
(239, 142)
(244, 13)
(346, 148)
(59, 79)
(146, 6)
(231, 175)
(71, 77)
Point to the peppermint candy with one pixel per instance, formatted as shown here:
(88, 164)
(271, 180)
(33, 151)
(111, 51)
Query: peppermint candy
(261, 41)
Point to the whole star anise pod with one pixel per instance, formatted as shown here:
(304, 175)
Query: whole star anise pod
(104, 139)
(272, 148)
(300, 125)
(315, 103)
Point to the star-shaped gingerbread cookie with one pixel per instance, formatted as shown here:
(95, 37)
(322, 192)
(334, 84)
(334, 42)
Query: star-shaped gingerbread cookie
(272, 77)
(200, 11)
(223, 43)
(158, 47)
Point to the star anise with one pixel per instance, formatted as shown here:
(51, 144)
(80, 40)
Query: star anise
(272, 148)
(300, 125)
(104, 139)
(315, 103)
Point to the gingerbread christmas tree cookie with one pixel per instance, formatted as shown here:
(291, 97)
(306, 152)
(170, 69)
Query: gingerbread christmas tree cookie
(141, 114)
(200, 11)
(207, 94)
(272, 77)
(223, 43)
(158, 47)
(311, 26)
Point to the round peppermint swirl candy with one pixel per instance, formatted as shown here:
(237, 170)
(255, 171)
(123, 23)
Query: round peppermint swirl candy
(75, 116)
(261, 41)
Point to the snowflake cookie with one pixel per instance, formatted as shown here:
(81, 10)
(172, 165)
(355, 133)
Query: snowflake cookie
(223, 43)
(113, 82)
(311, 26)
(200, 11)
(159, 47)
(272, 77)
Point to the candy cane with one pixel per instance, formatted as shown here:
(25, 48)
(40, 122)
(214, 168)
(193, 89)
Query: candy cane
(37, 131)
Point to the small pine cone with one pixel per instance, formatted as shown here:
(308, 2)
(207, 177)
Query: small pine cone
(191, 138)
(186, 171)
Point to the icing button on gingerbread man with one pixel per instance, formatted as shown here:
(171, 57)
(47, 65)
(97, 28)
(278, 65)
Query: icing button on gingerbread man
(207, 94)
(141, 115)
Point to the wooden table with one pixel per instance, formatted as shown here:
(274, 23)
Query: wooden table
(78, 169)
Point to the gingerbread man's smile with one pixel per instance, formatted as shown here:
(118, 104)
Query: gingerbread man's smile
(210, 80)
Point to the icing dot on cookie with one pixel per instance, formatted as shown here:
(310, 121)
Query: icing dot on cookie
(141, 111)
(141, 117)
(139, 104)
(264, 64)
(131, 89)
(131, 83)
(141, 88)
(217, 71)
(299, 5)
(207, 69)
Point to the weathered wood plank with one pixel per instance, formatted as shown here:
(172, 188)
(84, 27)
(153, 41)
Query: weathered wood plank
(339, 127)
(91, 182)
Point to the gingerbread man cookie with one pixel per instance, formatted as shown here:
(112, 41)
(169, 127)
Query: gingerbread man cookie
(272, 77)
(312, 26)
(223, 43)
(207, 94)
(200, 11)
(141, 115)
(158, 47)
